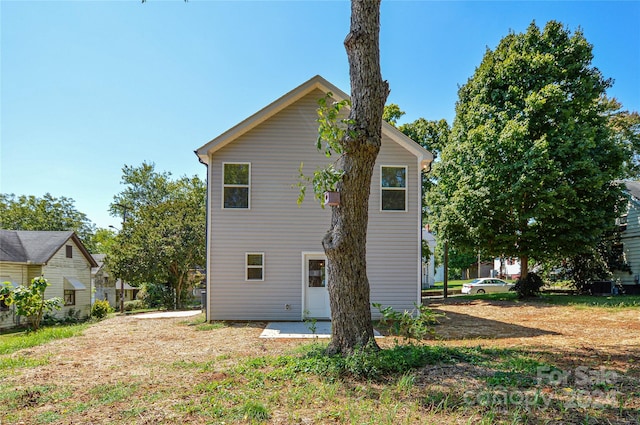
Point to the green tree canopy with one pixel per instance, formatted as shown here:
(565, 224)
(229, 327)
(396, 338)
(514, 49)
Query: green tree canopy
(626, 129)
(163, 237)
(47, 213)
(432, 135)
(530, 167)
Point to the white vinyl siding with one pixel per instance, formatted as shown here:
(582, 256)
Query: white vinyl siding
(236, 191)
(254, 266)
(630, 239)
(276, 226)
(393, 188)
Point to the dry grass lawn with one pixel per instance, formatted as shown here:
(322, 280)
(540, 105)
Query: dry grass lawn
(151, 371)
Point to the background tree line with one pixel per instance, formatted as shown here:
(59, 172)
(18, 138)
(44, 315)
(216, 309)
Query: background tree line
(161, 245)
(530, 168)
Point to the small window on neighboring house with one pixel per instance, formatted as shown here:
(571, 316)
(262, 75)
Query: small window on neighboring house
(236, 185)
(254, 266)
(69, 250)
(69, 297)
(393, 188)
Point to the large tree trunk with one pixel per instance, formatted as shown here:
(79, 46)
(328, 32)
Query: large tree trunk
(524, 267)
(345, 242)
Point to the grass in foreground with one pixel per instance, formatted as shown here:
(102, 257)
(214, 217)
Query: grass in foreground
(617, 301)
(15, 341)
(411, 384)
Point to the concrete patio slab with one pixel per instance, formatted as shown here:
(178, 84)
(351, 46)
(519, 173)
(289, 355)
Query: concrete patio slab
(300, 330)
(167, 314)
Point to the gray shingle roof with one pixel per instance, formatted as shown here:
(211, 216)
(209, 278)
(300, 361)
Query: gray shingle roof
(633, 187)
(37, 247)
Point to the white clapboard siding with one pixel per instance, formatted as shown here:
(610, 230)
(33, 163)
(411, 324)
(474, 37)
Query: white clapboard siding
(630, 238)
(59, 267)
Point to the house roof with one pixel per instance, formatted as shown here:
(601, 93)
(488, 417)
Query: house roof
(291, 97)
(99, 259)
(633, 188)
(36, 247)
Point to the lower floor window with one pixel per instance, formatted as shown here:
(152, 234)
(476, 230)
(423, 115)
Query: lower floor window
(254, 266)
(69, 297)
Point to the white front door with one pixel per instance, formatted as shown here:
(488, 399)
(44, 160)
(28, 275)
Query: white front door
(316, 295)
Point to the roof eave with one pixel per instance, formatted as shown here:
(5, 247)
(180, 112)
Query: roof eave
(204, 152)
(84, 251)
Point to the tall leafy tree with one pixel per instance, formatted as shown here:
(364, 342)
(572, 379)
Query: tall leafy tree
(345, 241)
(144, 186)
(163, 236)
(626, 129)
(104, 240)
(530, 168)
(47, 213)
(432, 135)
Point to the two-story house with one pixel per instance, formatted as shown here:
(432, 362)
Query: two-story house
(265, 258)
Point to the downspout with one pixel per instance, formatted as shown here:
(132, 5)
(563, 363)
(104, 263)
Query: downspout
(424, 166)
(206, 232)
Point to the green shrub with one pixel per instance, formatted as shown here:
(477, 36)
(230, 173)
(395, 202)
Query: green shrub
(417, 324)
(71, 317)
(529, 286)
(100, 309)
(371, 364)
(134, 305)
(30, 301)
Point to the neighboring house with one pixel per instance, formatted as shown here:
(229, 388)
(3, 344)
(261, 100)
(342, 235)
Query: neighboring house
(130, 292)
(428, 266)
(105, 287)
(630, 238)
(58, 256)
(471, 271)
(506, 268)
(265, 257)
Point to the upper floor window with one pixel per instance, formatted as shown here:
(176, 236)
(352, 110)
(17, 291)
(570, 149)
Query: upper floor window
(236, 185)
(393, 188)
(69, 251)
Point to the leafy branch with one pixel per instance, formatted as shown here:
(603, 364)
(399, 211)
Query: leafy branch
(333, 131)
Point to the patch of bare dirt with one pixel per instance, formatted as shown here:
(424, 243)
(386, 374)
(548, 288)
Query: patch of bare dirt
(538, 326)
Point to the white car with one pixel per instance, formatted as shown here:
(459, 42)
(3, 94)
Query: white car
(486, 285)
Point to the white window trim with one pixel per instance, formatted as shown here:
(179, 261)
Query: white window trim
(247, 266)
(248, 186)
(405, 188)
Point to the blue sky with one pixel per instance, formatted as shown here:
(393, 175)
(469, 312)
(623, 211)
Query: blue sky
(89, 86)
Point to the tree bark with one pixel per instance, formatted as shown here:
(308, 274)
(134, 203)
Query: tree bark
(524, 267)
(345, 242)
